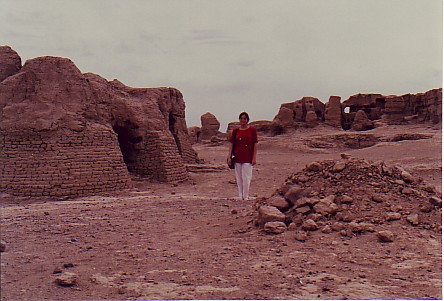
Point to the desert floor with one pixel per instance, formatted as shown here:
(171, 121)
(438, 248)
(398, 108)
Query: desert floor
(196, 241)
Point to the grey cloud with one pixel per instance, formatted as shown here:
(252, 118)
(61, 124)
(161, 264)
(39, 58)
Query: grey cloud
(207, 36)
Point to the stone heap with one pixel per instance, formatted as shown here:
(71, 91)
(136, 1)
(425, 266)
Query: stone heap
(68, 134)
(349, 197)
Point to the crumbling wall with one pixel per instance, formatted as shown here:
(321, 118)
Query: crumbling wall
(63, 163)
(66, 134)
(393, 109)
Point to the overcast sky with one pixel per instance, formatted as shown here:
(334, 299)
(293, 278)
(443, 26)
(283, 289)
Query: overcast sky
(235, 55)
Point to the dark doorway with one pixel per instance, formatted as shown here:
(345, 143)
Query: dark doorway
(172, 128)
(127, 143)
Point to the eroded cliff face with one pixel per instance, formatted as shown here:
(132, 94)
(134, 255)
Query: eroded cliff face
(64, 133)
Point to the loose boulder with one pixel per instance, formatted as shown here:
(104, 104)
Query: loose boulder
(269, 214)
(275, 227)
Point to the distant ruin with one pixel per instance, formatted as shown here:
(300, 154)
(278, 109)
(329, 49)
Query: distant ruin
(68, 134)
(392, 109)
(360, 112)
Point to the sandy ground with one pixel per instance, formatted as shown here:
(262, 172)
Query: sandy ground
(195, 241)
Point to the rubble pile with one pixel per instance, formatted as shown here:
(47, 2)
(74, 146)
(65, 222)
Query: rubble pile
(351, 196)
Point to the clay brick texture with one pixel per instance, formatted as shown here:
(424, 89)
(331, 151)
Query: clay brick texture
(65, 163)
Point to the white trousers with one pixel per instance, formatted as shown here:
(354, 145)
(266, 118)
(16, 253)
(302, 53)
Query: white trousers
(244, 173)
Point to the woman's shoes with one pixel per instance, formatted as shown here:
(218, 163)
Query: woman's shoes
(248, 198)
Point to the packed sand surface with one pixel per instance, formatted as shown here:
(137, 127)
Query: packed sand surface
(195, 240)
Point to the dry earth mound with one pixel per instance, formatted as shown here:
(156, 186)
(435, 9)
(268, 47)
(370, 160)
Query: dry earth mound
(350, 197)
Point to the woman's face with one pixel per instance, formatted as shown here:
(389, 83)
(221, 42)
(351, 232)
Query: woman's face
(243, 120)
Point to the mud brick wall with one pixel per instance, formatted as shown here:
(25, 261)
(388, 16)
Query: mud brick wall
(158, 158)
(63, 163)
(185, 148)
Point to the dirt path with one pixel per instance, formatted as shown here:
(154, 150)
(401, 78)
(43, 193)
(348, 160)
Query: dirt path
(195, 241)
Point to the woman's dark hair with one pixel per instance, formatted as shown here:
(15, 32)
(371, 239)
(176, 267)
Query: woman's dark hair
(244, 114)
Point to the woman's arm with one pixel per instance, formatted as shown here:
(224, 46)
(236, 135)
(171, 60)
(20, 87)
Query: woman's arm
(253, 161)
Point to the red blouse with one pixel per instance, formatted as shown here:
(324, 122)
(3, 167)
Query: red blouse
(245, 140)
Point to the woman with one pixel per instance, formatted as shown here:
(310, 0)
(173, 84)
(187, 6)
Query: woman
(245, 149)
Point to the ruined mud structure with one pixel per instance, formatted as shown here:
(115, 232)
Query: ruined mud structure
(67, 134)
(351, 197)
(360, 111)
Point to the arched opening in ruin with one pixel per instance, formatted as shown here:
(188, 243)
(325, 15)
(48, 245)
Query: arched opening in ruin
(127, 143)
(347, 118)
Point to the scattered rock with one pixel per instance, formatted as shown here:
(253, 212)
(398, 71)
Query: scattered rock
(275, 227)
(413, 219)
(303, 210)
(338, 226)
(315, 166)
(385, 236)
(326, 206)
(295, 193)
(407, 177)
(345, 156)
(393, 216)
(345, 199)
(338, 167)
(279, 202)
(292, 227)
(326, 229)
(379, 198)
(301, 236)
(68, 265)
(269, 214)
(435, 201)
(310, 225)
(2, 246)
(66, 279)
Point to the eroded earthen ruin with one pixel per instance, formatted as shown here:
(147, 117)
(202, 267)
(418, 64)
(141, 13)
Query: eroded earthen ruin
(66, 134)
(360, 111)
